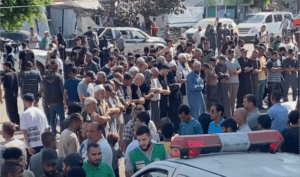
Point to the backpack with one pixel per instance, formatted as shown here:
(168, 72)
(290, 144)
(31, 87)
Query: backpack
(256, 41)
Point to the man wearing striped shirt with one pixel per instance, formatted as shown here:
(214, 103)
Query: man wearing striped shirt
(30, 82)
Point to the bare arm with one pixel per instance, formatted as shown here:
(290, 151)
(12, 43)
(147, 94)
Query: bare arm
(65, 97)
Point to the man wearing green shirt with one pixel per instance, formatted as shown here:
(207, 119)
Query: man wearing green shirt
(146, 153)
(94, 167)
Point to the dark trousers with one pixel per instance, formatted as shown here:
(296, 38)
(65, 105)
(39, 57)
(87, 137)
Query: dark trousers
(173, 112)
(272, 86)
(11, 103)
(57, 109)
(116, 171)
(155, 112)
(223, 98)
(164, 106)
(212, 91)
(290, 81)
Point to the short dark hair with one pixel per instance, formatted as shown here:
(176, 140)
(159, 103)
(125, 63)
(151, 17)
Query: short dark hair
(274, 53)
(167, 129)
(231, 51)
(113, 138)
(294, 116)
(74, 70)
(144, 117)
(76, 172)
(222, 57)
(241, 40)
(265, 121)
(146, 50)
(28, 97)
(184, 109)
(143, 130)
(75, 117)
(251, 98)
(74, 160)
(12, 153)
(276, 95)
(9, 128)
(116, 50)
(111, 58)
(189, 44)
(213, 59)
(164, 66)
(74, 108)
(230, 123)
(99, 127)
(74, 52)
(206, 65)
(92, 145)
(48, 138)
(128, 76)
(9, 167)
(210, 102)
(219, 107)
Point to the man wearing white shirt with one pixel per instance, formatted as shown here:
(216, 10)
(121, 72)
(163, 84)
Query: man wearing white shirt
(34, 39)
(263, 35)
(197, 36)
(156, 88)
(285, 24)
(240, 116)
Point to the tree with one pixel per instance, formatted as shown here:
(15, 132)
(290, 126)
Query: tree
(13, 18)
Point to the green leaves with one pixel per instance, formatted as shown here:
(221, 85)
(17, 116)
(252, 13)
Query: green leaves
(14, 17)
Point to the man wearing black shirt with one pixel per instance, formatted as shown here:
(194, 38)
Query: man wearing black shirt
(291, 134)
(164, 100)
(26, 55)
(205, 119)
(11, 88)
(96, 57)
(89, 64)
(81, 50)
(112, 61)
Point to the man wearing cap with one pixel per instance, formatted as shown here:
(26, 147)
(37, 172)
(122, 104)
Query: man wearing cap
(89, 64)
(53, 89)
(11, 89)
(245, 86)
(262, 76)
(49, 162)
(45, 40)
(34, 39)
(84, 88)
(31, 81)
(290, 67)
(96, 57)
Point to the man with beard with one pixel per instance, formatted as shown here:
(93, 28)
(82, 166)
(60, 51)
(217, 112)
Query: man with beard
(175, 98)
(164, 101)
(49, 160)
(146, 153)
(245, 86)
(112, 61)
(194, 91)
(95, 166)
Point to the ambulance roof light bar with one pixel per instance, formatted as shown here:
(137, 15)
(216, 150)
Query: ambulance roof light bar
(193, 145)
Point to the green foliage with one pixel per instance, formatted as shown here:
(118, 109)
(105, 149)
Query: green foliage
(13, 18)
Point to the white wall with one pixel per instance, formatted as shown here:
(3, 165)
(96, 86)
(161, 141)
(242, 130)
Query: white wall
(56, 21)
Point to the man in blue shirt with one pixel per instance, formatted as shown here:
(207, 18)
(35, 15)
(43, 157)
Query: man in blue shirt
(188, 125)
(278, 113)
(216, 113)
(70, 88)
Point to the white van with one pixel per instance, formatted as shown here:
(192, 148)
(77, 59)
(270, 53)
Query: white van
(252, 23)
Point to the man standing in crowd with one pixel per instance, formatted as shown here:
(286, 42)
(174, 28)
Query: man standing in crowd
(249, 104)
(254, 73)
(234, 69)
(11, 90)
(70, 88)
(26, 55)
(95, 166)
(112, 61)
(274, 75)
(89, 64)
(291, 134)
(194, 91)
(262, 36)
(240, 116)
(237, 49)
(33, 124)
(285, 24)
(290, 67)
(245, 86)
(137, 23)
(84, 86)
(188, 125)
(278, 113)
(120, 44)
(34, 39)
(146, 153)
(216, 113)
(164, 101)
(197, 36)
(262, 76)
(30, 82)
(53, 89)
(72, 160)
(49, 162)
(69, 142)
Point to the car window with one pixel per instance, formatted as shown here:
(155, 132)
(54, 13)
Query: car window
(100, 30)
(108, 34)
(288, 15)
(269, 19)
(278, 18)
(126, 34)
(138, 35)
(154, 173)
(253, 19)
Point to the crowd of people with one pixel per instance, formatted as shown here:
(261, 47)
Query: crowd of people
(132, 106)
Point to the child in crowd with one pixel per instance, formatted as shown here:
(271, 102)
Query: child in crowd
(112, 139)
(167, 130)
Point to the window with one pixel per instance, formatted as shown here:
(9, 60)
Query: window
(154, 173)
(289, 16)
(126, 34)
(269, 19)
(138, 35)
(278, 18)
(108, 34)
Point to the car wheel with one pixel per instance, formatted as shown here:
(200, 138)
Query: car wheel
(41, 68)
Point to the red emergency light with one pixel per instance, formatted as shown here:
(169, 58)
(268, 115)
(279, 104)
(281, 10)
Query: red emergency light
(296, 22)
(193, 145)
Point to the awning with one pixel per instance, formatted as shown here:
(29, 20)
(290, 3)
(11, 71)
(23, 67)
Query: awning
(77, 4)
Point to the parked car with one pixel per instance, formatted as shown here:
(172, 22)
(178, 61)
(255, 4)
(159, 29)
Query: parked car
(252, 23)
(135, 39)
(17, 36)
(210, 21)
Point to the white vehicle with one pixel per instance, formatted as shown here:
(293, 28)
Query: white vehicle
(135, 39)
(229, 162)
(210, 21)
(252, 23)
(40, 57)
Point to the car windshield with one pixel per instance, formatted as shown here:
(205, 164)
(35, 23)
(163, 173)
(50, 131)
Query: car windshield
(204, 23)
(253, 19)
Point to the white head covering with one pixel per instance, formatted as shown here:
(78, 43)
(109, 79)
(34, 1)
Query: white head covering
(133, 69)
(99, 87)
(182, 55)
(172, 63)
